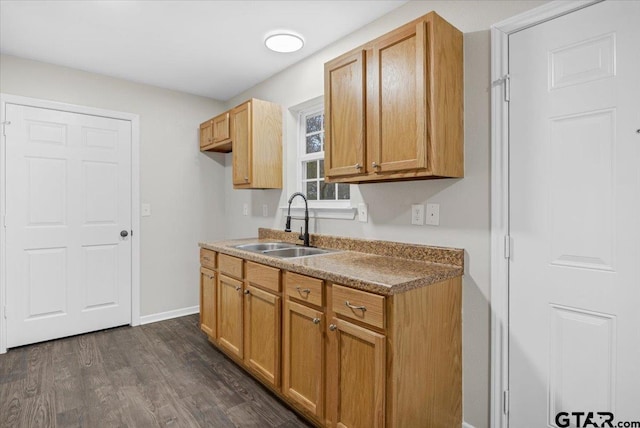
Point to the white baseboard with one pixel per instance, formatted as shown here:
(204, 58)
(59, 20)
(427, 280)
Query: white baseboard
(148, 319)
(466, 425)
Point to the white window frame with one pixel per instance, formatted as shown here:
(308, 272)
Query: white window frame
(312, 107)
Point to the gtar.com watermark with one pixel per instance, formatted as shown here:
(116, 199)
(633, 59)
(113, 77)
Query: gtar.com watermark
(592, 420)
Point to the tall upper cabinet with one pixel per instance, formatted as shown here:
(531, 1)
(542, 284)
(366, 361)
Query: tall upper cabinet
(394, 106)
(252, 131)
(257, 145)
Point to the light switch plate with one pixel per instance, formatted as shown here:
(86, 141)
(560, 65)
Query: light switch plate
(363, 213)
(417, 214)
(145, 210)
(433, 214)
(245, 209)
(265, 210)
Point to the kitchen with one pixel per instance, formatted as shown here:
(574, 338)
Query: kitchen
(191, 197)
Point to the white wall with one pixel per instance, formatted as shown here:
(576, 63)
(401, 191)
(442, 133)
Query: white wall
(183, 186)
(464, 203)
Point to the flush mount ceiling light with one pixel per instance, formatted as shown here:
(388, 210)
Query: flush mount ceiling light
(284, 41)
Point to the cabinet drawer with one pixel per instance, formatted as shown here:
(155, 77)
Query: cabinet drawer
(358, 305)
(229, 265)
(304, 288)
(208, 258)
(263, 276)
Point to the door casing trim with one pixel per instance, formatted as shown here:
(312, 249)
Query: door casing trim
(135, 197)
(500, 195)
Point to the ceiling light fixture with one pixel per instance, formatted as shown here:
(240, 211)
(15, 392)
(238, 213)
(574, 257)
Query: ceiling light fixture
(284, 41)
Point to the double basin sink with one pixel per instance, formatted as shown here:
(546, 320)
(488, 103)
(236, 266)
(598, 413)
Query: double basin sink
(283, 249)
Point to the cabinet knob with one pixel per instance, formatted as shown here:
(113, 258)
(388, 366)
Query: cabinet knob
(238, 288)
(332, 327)
(247, 292)
(375, 165)
(358, 166)
(316, 320)
(246, 179)
(210, 276)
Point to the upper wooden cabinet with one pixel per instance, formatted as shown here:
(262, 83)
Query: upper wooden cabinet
(256, 135)
(221, 131)
(215, 134)
(394, 106)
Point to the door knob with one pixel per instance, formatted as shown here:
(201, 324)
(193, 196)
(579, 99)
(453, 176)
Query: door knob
(124, 233)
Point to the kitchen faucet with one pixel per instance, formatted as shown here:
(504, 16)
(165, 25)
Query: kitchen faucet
(287, 228)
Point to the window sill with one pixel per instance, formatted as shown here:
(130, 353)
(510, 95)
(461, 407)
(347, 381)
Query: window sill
(336, 210)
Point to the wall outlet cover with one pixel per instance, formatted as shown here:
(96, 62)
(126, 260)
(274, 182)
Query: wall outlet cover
(417, 214)
(433, 214)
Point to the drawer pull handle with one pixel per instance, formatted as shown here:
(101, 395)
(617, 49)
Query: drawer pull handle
(238, 288)
(303, 290)
(332, 327)
(350, 306)
(316, 320)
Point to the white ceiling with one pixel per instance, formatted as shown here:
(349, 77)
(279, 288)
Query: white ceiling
(209, 48)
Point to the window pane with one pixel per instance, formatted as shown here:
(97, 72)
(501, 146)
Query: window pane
(321, 168)
(314, 143)
(314, 123)
(312, 190)
(343, 191)
(312, 169)
(327, 191)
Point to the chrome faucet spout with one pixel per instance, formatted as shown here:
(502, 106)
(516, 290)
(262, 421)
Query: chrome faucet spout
(287, 228)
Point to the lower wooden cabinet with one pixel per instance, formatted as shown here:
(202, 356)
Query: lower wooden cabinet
(208, 301)
(303, 362)
(357, 375)
(229, 311)
(342, 357)
(262, 334)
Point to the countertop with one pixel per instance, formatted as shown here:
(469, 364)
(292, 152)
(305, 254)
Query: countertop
(380, 274)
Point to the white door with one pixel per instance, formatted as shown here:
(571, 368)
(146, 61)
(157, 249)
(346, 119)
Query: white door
(68, 197)
(574, 274)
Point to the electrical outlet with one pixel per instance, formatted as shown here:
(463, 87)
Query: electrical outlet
(433, 214)
(417, 214)
(363, 213)
(265, 210)
(245, 209)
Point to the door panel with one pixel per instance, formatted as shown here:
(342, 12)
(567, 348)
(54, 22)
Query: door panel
(345, 89)
(574, 341)
(229, 300)
(68, 197)
(241, 140)
(399, 92)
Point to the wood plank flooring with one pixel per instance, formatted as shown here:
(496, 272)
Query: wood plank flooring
(156, 375)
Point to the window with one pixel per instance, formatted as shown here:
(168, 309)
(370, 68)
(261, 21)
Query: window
(311, 160)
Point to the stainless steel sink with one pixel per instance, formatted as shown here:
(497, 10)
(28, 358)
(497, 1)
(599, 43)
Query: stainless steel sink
(296, 252)
(282, 249)
(264, 246)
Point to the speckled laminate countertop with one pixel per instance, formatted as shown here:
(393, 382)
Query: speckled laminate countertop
(384, 273)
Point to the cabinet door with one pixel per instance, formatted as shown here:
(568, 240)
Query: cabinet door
(262, 334)
(208, 302)
(241, 142)
(205, 134)
(303, 365)
(221, 128)
(397, 118)
(360, 376)
(344, 86)
(230, 315)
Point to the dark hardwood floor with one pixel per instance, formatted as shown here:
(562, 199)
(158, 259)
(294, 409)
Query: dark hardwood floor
(161, 374)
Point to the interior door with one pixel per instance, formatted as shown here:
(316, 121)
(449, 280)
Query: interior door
(574, 281)
(68, 203)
